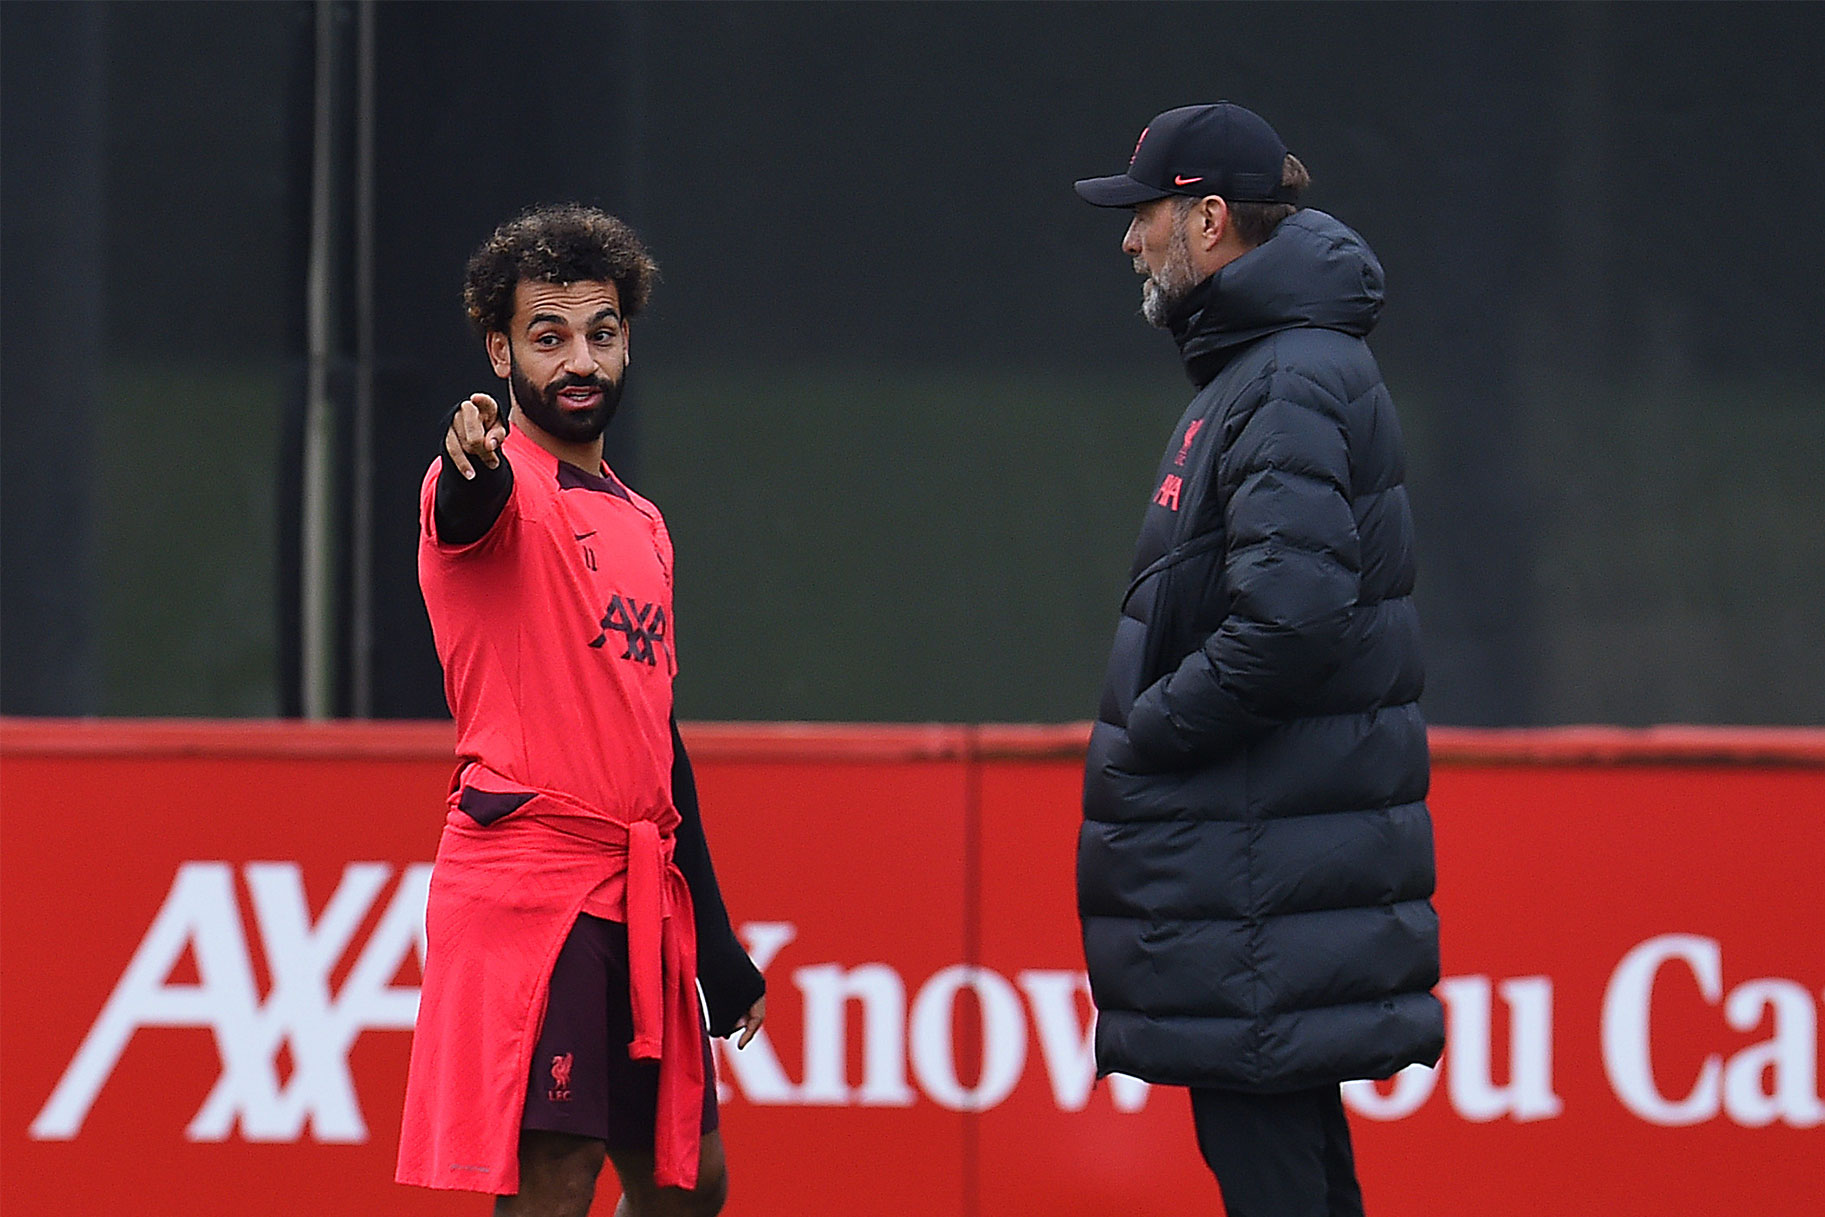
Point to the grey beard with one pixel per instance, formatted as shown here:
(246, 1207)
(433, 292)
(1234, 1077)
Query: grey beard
(1157, 303)
(1162, 293)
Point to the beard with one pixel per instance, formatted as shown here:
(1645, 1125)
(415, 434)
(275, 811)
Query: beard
(541, 405)
(1168, 287)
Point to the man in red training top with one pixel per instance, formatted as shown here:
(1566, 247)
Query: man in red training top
(573, 907)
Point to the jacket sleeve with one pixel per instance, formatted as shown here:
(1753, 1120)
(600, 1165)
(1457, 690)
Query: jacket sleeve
(1292, 570)
(731, 982)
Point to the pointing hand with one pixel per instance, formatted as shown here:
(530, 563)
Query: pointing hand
(477, 430)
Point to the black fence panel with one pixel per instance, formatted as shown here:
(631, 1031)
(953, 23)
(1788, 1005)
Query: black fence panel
(893, 392)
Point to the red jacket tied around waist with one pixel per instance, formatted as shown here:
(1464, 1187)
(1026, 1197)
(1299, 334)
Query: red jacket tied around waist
(503, 897)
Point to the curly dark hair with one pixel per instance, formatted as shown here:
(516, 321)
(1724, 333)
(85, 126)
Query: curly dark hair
(561, 243)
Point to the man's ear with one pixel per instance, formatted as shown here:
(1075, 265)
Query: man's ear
(1213, 220)
(500, 353)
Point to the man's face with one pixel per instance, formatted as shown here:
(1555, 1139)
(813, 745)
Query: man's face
(1156, 241)
(565, 356)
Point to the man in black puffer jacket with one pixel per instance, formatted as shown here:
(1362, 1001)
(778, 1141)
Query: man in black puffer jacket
(1255, 867)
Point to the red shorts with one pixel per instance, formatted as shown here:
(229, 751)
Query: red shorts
(583, 1081)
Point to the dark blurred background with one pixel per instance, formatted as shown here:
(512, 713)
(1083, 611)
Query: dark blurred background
(894, 394)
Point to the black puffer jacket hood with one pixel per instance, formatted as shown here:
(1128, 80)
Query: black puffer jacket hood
(1313, 272)
(1255, 864)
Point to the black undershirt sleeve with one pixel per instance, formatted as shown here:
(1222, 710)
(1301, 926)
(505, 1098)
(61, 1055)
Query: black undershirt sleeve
(731, 982)
(466, 508)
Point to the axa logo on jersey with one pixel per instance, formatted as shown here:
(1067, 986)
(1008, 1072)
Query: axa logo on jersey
(642, 626)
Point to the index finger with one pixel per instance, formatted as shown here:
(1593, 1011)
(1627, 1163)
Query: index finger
(487, 408)
(454, 449)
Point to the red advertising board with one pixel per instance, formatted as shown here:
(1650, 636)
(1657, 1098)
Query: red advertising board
(210, 937)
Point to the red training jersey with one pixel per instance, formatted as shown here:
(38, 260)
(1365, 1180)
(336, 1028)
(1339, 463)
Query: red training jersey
(555, 633)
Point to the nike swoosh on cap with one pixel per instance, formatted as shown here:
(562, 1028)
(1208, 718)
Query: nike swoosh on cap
(1179, 179)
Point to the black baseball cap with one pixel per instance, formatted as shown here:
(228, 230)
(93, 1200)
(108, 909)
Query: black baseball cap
(1198, 150)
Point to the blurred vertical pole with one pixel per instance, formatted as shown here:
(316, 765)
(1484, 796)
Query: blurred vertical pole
(621, 446)
(634, 52)
(317, 554)
(53, 123)
(361, 499)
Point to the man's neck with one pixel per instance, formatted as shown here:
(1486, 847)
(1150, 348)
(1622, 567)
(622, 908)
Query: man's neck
(1215, 259)
(586, 456)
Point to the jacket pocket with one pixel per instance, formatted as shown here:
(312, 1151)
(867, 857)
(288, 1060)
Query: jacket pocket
(1167, 620)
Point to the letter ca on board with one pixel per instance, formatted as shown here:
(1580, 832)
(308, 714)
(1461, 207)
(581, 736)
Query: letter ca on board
(1773, 1080)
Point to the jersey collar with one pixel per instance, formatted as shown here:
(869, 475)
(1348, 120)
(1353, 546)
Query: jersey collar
(524, 451)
